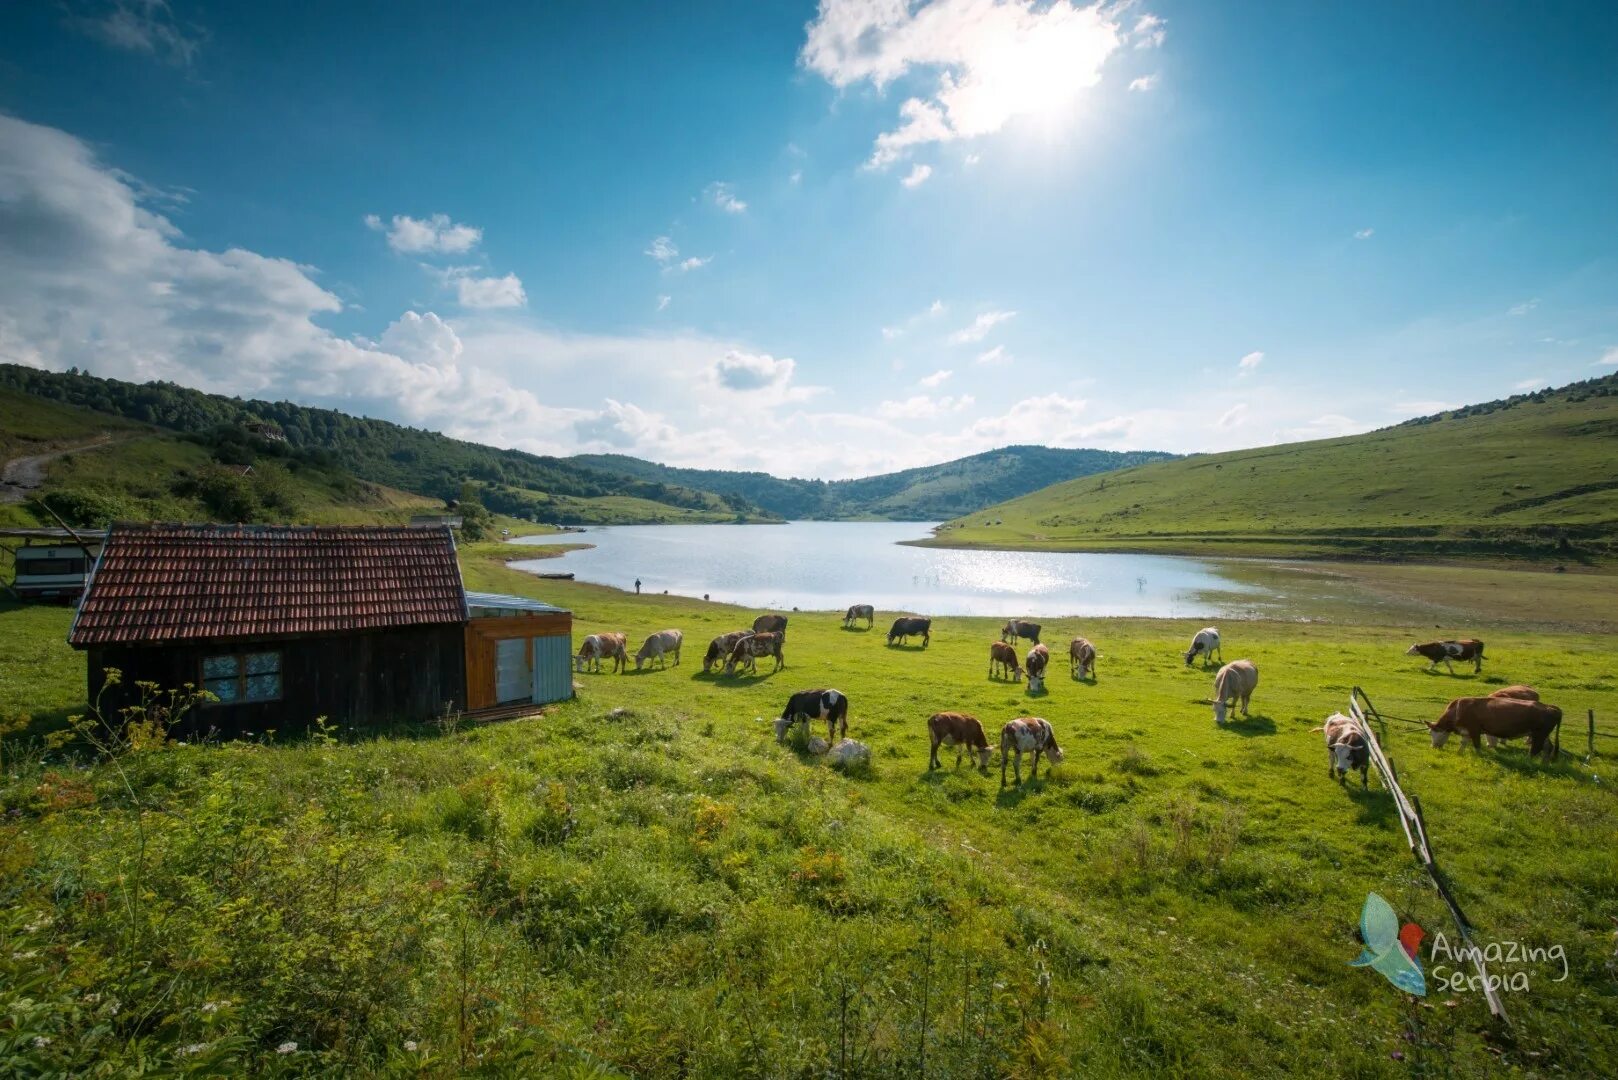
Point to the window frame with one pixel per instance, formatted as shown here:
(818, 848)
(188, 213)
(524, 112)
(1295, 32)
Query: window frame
(242, 675)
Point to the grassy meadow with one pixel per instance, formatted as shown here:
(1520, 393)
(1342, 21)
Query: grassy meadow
(1510, 482)
(641, 882)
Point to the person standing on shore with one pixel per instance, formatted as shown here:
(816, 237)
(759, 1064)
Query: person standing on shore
(637, 586)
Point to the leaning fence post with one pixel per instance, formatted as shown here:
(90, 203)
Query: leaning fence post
(1591, 715)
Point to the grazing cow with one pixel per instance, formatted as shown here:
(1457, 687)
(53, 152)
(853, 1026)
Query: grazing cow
(747, 651)
(770, 624)
(1038, 657)
(860, 611)
(719, 648)
(1526, 693)
(658, 646)
(1205, 644)
(1464, 650)
(1006, 656)
(597, 646)
(962, 731)
(1237, 679)
(1502, 717)
(1081, 658)
(1346, 748)
(806, 705)
(1027, 733)
(1017, 628)
(906, 627)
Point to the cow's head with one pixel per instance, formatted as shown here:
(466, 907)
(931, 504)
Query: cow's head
(1219, 711)
(640, 658)
(1054, 752)
(1414, 650)
(1439, 733)
(982, 755)
(1036, 683)
(1342, 756)
(783, 725)
(1191, 653)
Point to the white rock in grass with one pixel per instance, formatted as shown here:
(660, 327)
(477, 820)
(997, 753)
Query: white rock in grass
(817, 745)
(850, 752)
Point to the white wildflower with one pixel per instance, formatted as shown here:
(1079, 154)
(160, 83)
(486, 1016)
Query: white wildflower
(286, 1048)
(29, 955)
(194, 1048)
(410, 1045)
(41, 1041)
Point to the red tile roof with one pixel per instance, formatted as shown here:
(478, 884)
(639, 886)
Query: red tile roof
(165, 583)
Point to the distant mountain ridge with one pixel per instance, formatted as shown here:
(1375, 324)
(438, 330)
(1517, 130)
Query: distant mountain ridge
(583, 489)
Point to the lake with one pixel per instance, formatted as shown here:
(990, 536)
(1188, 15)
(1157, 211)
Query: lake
(819, 565)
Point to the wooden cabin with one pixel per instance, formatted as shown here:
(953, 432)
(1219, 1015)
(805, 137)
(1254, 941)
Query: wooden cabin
(518, 651)
(358, 624)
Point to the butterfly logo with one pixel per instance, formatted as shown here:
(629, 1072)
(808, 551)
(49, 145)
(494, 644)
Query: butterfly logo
(1390, 948)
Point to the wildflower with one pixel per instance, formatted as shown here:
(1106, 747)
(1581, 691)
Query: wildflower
(213, 1006)
(29, 955)
(194, 1048)
(410, 1045)
(41, 1041)
(286, 1048)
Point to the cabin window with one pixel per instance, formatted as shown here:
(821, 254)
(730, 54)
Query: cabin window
(243, 677)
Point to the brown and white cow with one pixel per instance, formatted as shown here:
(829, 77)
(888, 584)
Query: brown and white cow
(1024, 734)
(1038, 658)
(601, 646)
(770, 624)
(658, 646)
(962, 731)
(719, 648)
(1236, 681)
(747, 651)
(1463, 650)
(908, 626)
(1081, 658)
(806, 705)
(860, 611)
(1526, 693)
(1346, 748)
(1019, 628)
(1501, 717)
(1005, 657)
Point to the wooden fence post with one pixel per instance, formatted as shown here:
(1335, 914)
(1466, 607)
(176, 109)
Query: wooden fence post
(1591, 715)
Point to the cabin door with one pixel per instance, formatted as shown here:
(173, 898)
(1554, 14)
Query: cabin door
(513, 670)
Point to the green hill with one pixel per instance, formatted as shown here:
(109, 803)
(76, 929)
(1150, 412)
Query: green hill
(931, 492)
(1531, 475)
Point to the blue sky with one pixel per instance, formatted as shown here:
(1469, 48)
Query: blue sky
(825, 240)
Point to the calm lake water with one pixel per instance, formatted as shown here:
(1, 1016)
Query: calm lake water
(816, 565)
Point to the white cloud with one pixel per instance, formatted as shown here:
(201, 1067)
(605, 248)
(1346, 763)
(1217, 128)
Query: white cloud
(145, 26)
(663, 301)
(936, 379)
(1249, 363)
(935, 309)
(996, 355)
(752, 371)
(923, 407)
(1364, 234)
(723, 195)
(1538, 382)
(472, 291)
(426, 235)
(1523, 308)
(663, 250)
(1143, 83)
(917, 176)
(973, 159)
(1330, 426)
(1149, 32)
(996, 60)
(622, 426)
(979, 327)
(1421, 407)
(695, 262)
(1607, 358)
(1234, 416)
(795, 176)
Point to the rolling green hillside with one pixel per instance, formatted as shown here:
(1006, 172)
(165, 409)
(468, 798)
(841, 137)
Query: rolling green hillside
(932, 492)
(1536, 474)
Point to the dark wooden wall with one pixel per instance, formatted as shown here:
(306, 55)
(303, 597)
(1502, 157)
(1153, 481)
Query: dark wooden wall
(377, 677)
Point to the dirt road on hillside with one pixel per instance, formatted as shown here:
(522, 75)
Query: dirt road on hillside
(21, 477)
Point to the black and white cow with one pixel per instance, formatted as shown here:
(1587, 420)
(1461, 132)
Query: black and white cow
(906, 627)
(1018, 628)
(860, 611)
(1346, 748)
(806, 705)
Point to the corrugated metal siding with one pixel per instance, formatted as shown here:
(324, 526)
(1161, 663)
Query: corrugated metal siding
(553, 668)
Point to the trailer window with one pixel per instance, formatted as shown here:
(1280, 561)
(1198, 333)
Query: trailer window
(49, 567)
(243, 677)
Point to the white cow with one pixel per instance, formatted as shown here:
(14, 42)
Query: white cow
(1236, 680)
(1205, 644)
(658, 646)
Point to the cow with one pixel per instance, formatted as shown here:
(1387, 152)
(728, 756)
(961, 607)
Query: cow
(1027, 733)
(1081, 658)
(906, 627)
(806, 705)
(1463, 650)
(860, 611)
(747, 651)
(1526, 693)
(1038, 657)
(1017, 628)
(658, 646)
(1205, 644)
(1502, 717)
(962, 731)
(597, 646)
(1346, 748)
(770, 624)
(719, 648)
(1237, 679)
(1006, 657)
